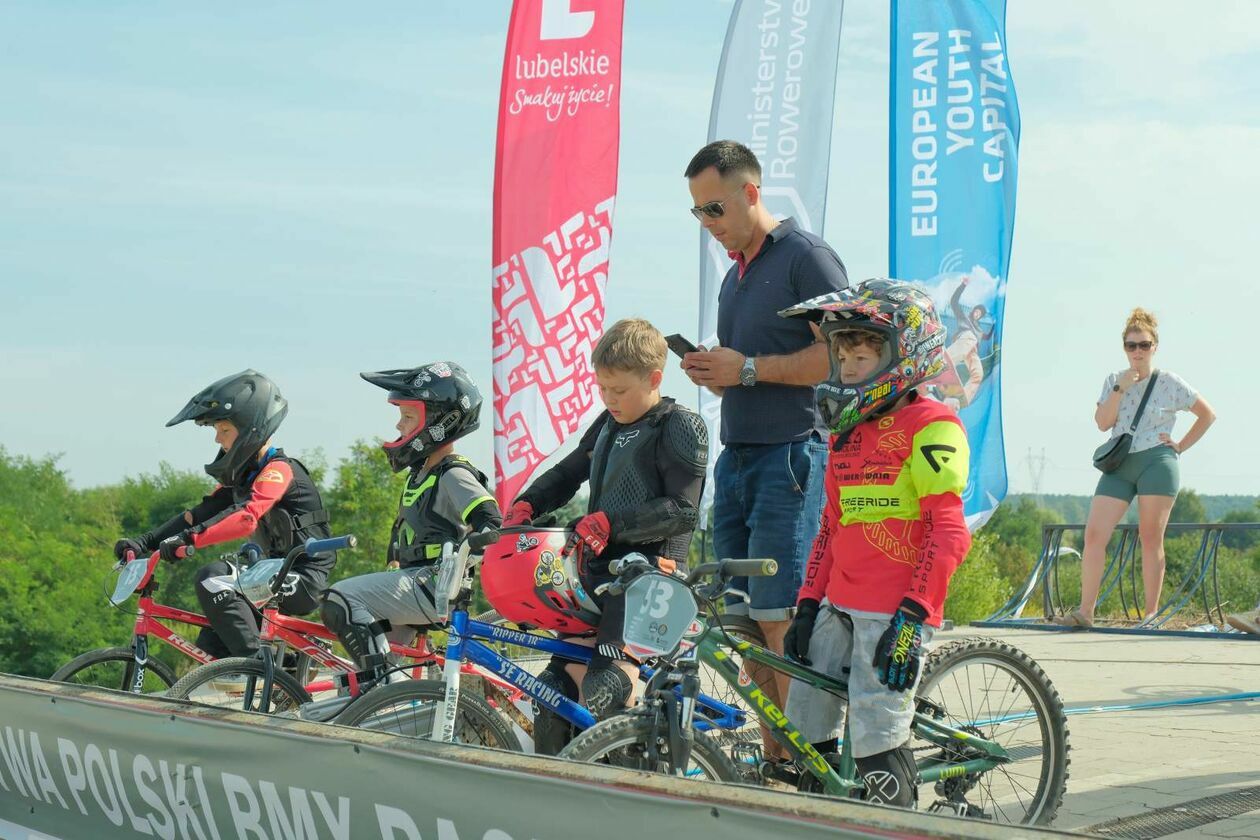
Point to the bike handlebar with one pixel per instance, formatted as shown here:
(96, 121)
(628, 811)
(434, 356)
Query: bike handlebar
(482, 540)
(749, 568)
(314, 546)
(632, 560)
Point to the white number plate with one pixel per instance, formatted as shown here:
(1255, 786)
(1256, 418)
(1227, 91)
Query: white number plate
(659, 610)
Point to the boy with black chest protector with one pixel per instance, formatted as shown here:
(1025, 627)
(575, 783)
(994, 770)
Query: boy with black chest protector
(262, 494)
(645, 460)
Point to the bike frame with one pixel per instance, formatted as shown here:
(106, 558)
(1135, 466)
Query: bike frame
(464, 645)
(842, 780)
(275, 627)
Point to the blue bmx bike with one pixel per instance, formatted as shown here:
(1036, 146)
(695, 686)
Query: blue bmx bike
(439, 709)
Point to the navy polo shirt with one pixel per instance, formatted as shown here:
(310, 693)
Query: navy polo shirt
(792, 265)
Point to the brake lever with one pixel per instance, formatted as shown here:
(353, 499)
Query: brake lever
(612, 587)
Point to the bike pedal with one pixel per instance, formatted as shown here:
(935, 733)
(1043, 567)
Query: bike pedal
(958, 809)
(747, 757)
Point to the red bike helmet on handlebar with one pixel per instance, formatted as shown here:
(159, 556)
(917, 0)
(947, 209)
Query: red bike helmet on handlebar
(528, 581)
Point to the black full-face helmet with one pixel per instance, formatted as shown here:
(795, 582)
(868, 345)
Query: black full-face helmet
(448, 402)
(249, 401)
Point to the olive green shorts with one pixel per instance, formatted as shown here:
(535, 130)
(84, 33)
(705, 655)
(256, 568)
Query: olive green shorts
(1151, 472)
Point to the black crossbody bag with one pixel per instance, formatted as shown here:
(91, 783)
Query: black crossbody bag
(1111, 454)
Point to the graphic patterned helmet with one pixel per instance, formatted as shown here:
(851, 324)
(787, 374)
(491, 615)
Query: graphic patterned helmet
(527, 580)
(914, 346)
(447, 400)
(249, 401)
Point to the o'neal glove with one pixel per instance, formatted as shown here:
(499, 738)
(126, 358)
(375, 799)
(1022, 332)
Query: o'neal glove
(796, 642)
(136, 547)
(899, 652)
(172, 548)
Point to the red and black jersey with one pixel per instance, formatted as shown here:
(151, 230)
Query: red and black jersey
(278, 506)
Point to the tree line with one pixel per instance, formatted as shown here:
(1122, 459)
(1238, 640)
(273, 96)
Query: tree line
(56, 549)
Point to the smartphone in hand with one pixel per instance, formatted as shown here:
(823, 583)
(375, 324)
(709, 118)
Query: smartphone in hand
(679, 346)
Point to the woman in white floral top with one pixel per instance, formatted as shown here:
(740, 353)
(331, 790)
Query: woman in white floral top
(1150, 471)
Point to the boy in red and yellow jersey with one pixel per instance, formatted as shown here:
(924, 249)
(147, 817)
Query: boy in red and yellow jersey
(892, 533)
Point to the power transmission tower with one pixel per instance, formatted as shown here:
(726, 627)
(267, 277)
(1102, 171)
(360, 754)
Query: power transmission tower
(1036, 471)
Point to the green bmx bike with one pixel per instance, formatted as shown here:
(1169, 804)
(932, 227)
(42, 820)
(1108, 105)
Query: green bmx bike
(989, 734)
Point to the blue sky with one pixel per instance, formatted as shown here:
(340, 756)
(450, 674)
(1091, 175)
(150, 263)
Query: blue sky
(305, 189)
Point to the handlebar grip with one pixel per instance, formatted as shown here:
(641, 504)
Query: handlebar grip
(314, 546)
(482, 540)
(622, 564)
(749, 568)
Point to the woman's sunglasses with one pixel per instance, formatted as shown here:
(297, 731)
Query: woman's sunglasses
(714, 209)
(1138, 345)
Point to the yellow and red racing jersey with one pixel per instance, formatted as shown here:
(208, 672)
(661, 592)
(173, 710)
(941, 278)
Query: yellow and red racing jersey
(893, 523)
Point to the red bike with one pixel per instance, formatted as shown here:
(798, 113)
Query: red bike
(131, 669)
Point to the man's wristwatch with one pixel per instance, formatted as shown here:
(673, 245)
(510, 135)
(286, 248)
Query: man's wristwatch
(748, 373)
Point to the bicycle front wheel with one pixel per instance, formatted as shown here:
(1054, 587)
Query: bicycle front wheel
(737, 628)
(624, 741)
(994, 690)
(115, 668)
(408, 708)
(237, 683)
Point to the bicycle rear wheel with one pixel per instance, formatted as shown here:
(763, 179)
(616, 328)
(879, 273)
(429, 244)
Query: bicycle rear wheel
(623, 741)
(408, 708)
(115, 668)
(237, 683)
(991, 689)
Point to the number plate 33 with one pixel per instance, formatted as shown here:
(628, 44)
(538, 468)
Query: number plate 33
(659, 609)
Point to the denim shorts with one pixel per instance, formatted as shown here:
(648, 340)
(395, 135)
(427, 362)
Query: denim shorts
(767, 502)
(1151, 472)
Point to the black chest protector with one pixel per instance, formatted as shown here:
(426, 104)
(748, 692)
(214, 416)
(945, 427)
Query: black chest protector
(625, 474)
(295, 518)
(420, 531)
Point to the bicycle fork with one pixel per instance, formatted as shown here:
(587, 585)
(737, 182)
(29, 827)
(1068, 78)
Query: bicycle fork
(140, 664)
(679, 709)
(444, 718)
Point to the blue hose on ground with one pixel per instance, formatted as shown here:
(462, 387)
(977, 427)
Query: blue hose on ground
(1132, 707)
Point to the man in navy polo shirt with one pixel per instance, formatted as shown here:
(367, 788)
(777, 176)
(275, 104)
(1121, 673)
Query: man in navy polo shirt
(768, 491)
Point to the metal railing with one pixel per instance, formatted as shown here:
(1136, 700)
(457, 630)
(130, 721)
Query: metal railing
(1122, 575)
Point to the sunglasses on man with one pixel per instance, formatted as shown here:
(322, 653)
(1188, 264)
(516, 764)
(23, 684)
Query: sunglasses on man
(715, 209)
(1138, 345)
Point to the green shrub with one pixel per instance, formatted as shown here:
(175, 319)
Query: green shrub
(976, 589)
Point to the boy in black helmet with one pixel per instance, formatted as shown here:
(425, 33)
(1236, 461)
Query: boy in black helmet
(445, 498)
(262, 493)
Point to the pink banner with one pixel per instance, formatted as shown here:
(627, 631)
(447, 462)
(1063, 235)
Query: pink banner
(555, 183)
